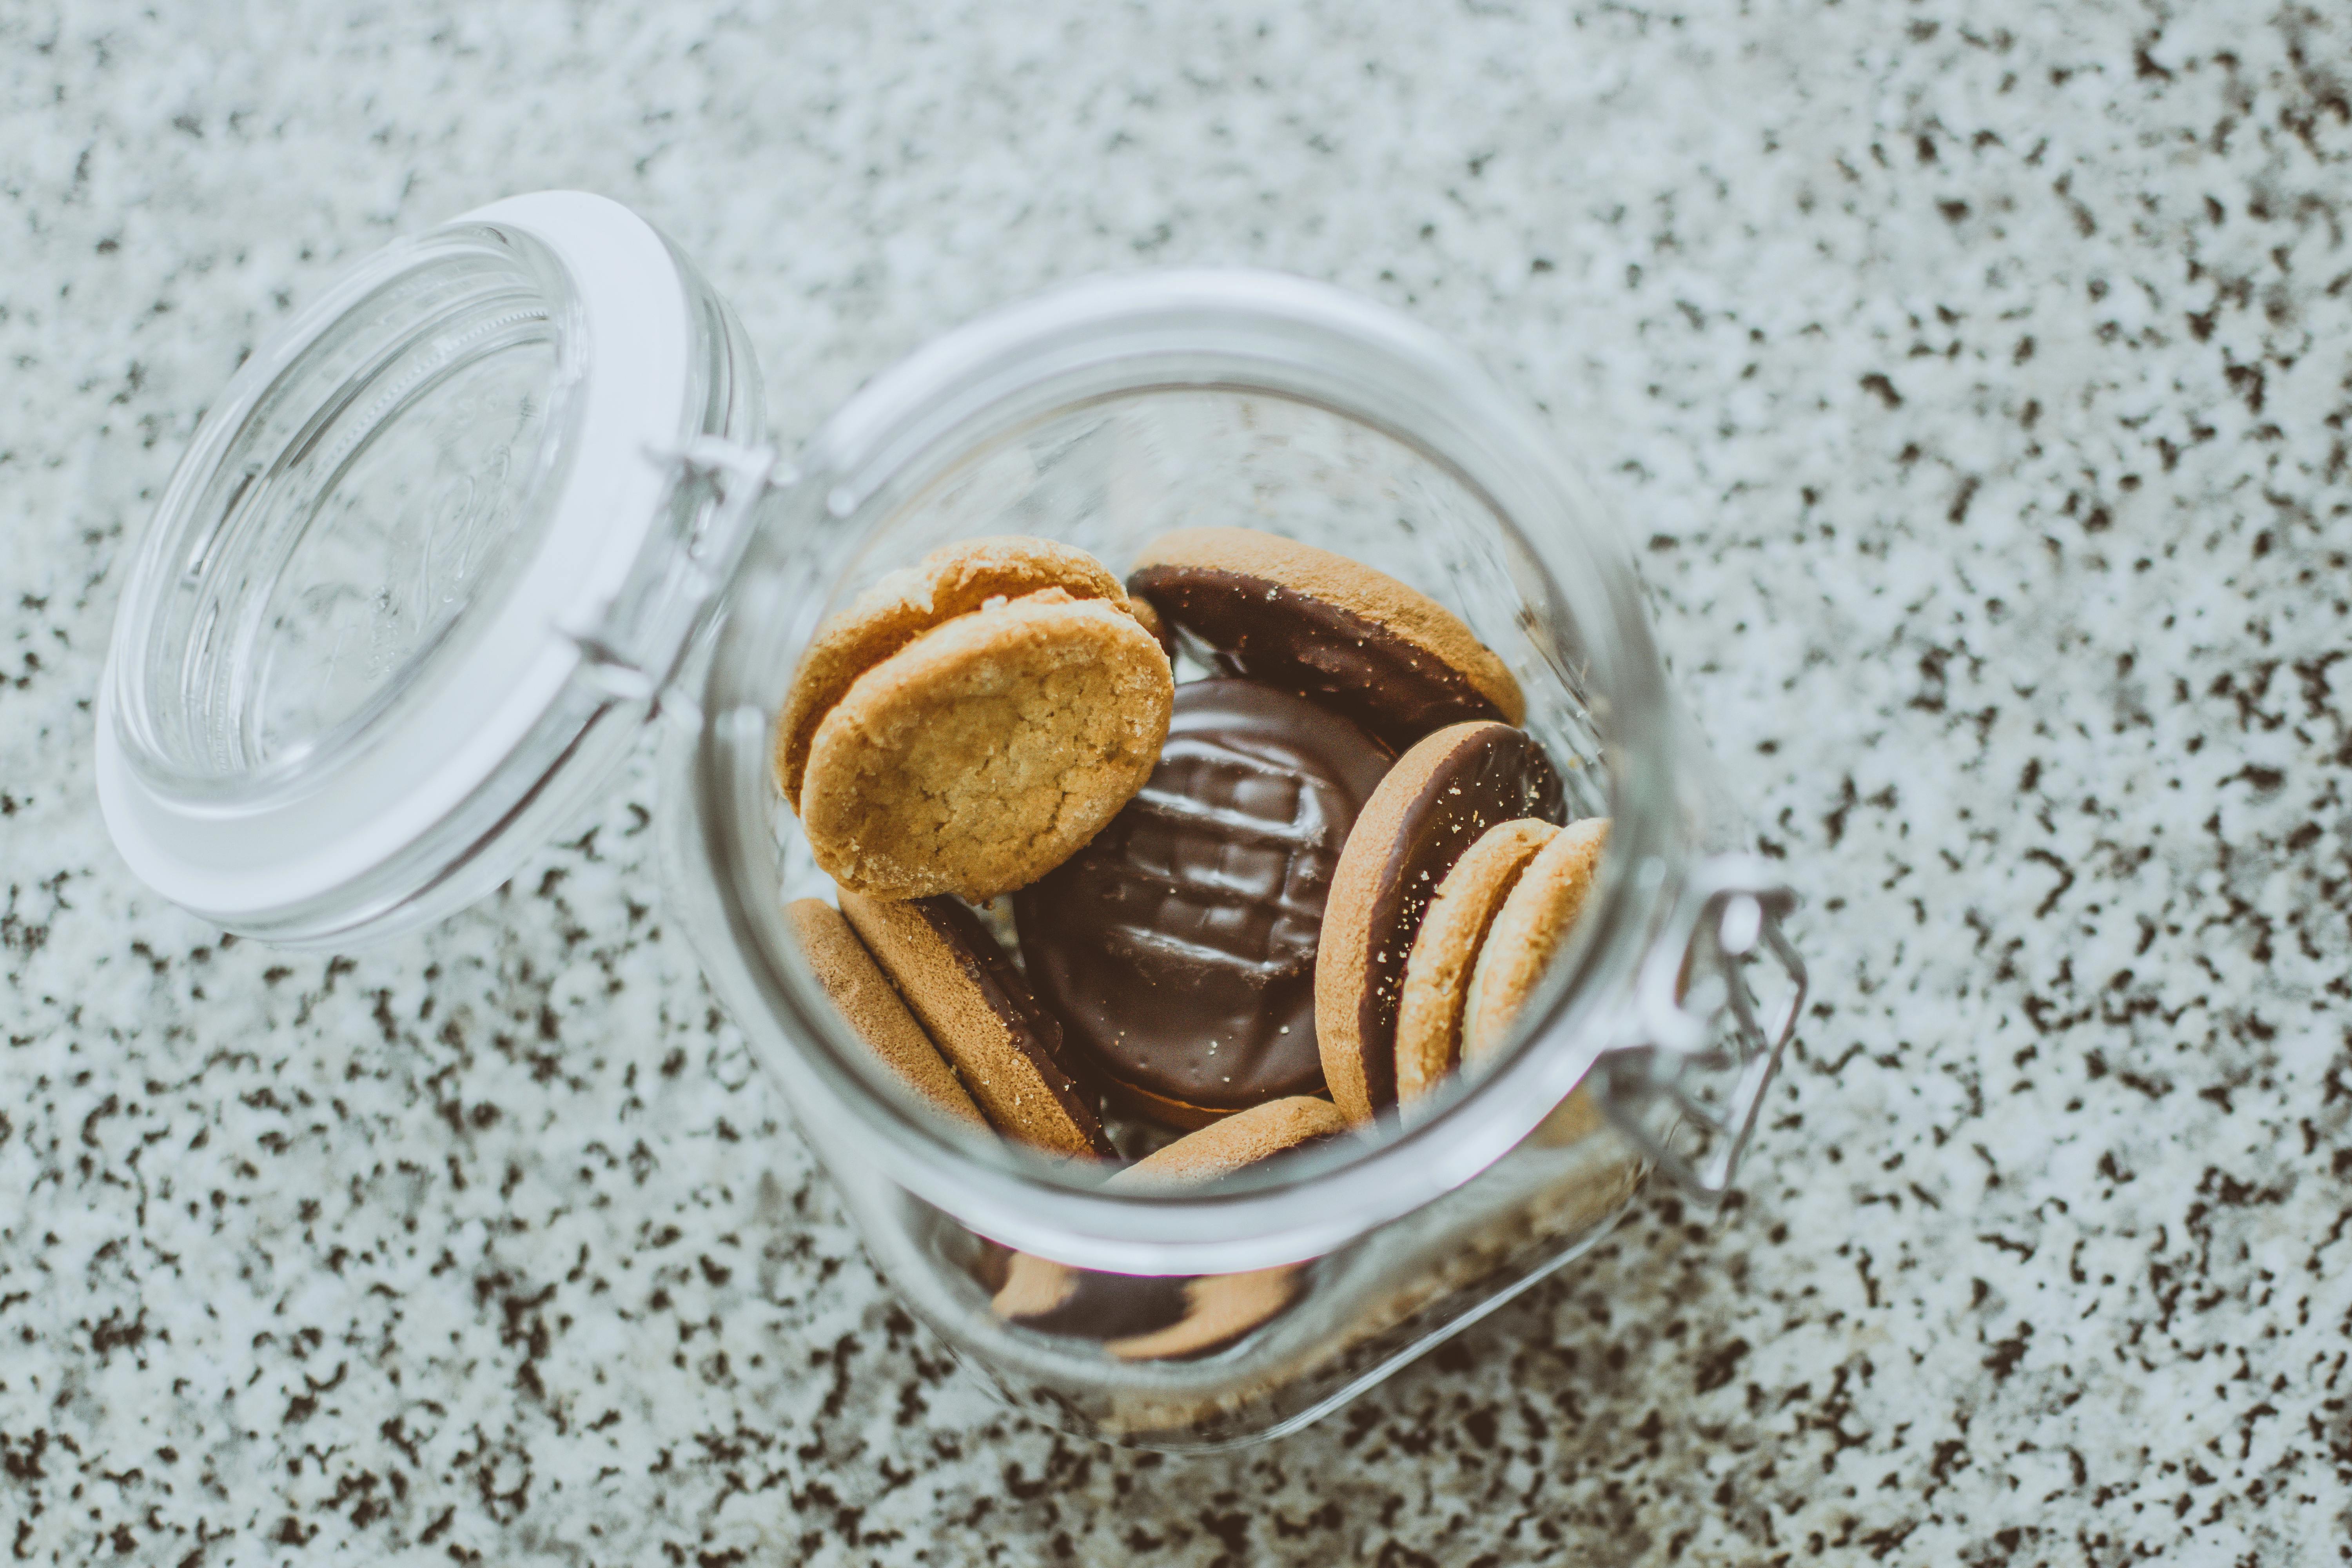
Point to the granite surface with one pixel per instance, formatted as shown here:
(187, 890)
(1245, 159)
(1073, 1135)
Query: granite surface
(1975, 378)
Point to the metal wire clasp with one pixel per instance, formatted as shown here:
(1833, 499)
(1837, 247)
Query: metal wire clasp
(632, 648)
(1689, 1094)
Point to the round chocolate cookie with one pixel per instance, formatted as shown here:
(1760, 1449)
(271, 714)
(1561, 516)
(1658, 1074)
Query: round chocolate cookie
(1355, 641)
(1439, 799)
(984, 1018)
(1178, 947)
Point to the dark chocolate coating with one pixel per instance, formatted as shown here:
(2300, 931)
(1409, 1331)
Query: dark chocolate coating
(1331, 655)
(1500, 774)
(1035, 1032)
(1179, 944)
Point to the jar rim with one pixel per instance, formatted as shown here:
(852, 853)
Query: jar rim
(1262, 334)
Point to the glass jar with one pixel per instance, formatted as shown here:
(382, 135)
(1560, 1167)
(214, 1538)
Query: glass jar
(512, 462)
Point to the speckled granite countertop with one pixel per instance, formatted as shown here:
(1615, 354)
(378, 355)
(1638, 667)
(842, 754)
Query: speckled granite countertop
(1976, 377)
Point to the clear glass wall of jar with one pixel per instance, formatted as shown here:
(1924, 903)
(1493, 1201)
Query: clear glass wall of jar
(1102, 416)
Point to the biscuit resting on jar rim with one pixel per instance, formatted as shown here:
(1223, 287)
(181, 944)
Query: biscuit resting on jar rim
(968, 722)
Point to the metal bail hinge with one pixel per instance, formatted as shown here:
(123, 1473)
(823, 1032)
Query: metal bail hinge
(632, 648)
(1690, 1093)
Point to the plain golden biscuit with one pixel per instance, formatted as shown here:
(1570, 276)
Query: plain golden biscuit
(1444, 953)
(987, 750)
(849, 975)
(981, 1014)
(952, 579)
(1531, 926)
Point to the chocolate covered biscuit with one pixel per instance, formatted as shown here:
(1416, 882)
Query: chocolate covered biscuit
(1438, 800)
(1172, 1318)
(980, 1014)
(1138, 1317)
(1334, 630)
(875, 1011)
(1178, 947)
(1243, 1139)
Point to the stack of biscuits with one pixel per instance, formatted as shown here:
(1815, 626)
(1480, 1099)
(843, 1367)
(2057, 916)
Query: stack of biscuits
(1257, 910)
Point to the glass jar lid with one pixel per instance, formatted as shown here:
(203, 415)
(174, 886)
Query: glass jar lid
(421, 569)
